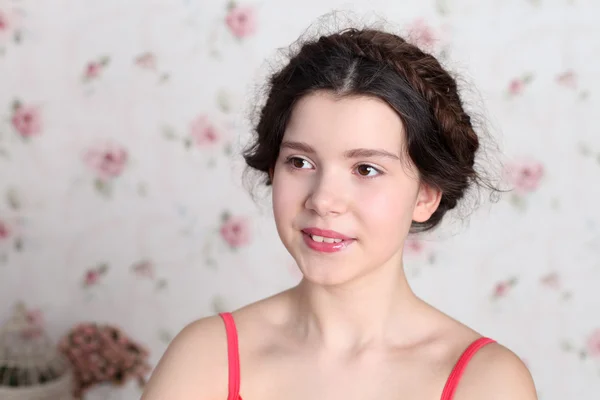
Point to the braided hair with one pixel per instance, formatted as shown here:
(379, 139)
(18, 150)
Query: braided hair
(441, 141)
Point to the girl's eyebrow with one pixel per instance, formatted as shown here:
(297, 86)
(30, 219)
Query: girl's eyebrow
(354, 153)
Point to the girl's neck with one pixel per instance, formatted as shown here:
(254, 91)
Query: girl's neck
(355, 315)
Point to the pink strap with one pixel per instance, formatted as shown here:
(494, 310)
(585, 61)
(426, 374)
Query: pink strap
(461, 364)
(233, 356)
(234, 361)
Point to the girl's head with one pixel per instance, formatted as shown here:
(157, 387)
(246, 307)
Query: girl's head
(364, 134)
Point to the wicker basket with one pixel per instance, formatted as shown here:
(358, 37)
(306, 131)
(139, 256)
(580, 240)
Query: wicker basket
(31, 368)
(59, 389)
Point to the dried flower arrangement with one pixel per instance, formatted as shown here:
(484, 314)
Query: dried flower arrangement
(103, 354)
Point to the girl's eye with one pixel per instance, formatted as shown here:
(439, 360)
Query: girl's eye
(298, 162)
(367, 171)
(363, 170)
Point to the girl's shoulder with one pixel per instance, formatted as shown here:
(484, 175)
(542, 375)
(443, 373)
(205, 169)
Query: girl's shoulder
(194, 365)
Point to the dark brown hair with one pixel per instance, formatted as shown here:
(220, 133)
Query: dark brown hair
(440, 138)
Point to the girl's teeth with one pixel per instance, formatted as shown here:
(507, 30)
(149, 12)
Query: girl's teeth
(321, 239)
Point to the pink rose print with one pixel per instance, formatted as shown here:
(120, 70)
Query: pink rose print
(524, 175)
(26, 120)
(568, 79)
(235, 231)
(502, 288)
(93, 275)
(107, 161)
(551, 280)
(146, 60)
(517, 85)
(10, 23)
(414, 246)
(144, 269)
(203, 132)
(3, 22)
(422, 34)
(593, 344)
(241, 21)
(94, 68)
(4, 231)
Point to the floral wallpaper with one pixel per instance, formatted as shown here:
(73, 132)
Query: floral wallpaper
(121, 191)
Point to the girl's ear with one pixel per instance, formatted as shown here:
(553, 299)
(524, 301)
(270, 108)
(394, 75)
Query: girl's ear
(428, 200)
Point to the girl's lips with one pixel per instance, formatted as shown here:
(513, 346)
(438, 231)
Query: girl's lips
(326, 233)
(325, 247)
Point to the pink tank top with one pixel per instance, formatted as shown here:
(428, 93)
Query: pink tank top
(234, 361)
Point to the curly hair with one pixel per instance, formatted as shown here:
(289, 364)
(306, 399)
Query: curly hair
(441, 141)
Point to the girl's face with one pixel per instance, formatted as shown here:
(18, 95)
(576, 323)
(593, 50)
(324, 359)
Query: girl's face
(344, 195)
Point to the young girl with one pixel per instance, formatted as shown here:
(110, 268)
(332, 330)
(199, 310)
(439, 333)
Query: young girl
(364, 139)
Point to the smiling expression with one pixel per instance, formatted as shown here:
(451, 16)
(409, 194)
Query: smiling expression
(344, 192)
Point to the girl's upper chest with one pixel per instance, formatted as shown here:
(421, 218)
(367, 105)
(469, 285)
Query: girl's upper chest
(298, 376)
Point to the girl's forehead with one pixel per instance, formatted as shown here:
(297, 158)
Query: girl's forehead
(357, 122)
